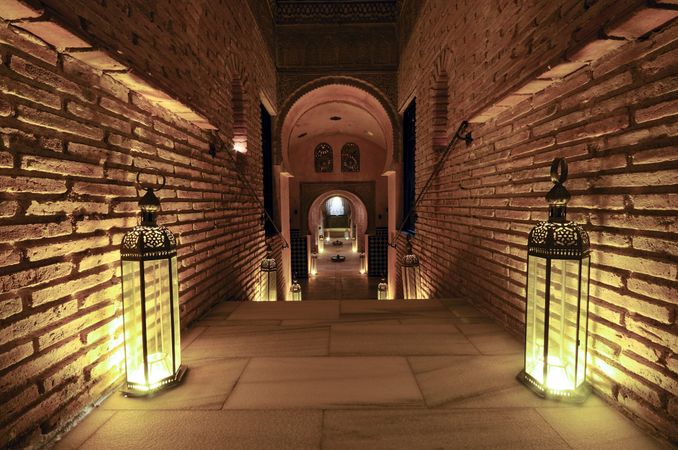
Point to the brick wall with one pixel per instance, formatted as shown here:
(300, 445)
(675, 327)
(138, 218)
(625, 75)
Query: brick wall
(615, 120)
(71, 140)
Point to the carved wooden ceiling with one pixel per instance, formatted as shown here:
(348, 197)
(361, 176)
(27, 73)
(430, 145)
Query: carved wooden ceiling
(333, 11)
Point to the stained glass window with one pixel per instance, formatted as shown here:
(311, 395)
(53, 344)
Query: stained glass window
(350, 158)
(323, 158)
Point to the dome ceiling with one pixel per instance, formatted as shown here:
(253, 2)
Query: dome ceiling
(333, 118)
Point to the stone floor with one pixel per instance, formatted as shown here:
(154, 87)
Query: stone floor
(351, 374)
(339, 280)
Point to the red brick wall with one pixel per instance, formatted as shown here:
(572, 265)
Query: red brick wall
(71, 141)
(615, 121)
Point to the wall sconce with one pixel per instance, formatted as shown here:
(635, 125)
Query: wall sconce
(411, 274)
(314, 264)
(150, 299)
(363, 263)
(354, 244)
(321, 243)
(268, 285)
(382, 290)
(240, 144)
(557, 298)
(295, 290)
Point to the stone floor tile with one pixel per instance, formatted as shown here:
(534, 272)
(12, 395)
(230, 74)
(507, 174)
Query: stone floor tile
(389, 306)
(83, 430)
(330, 382)
(286, 310)
(410, 339)
(203, 430)
(514, 396)
(491, 339)
(599, 428)
(205, 386)
(445, 380)
(449, 429)
(217, 342)
(191, 334)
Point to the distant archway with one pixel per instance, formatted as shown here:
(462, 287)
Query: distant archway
(358, 210)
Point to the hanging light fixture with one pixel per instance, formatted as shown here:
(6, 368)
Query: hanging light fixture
(314, 264)
(363, 263)
(557, 299)
(411, 274)
(295, 290)
(268, 286)
(150, 299)
(382, 290)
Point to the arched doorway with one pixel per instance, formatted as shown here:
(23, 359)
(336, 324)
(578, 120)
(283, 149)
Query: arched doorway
(338, 224)
(339, 135)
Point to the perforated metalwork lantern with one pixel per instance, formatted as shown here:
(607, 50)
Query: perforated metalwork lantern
(382, 290)
(295, 291)
(150, 298)
(557, 299)
(363, 263)
(268, 278)
(314, 264)
(411, 274)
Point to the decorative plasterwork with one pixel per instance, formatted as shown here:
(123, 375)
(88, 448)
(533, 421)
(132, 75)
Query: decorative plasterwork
(315, 11)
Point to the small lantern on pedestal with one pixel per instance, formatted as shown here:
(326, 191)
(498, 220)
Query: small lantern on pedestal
(363, 263)
(268, 285)
(557, 297)
(150, 298)
(382, 290)
(314, 264)
(295, 290)
(411, 274)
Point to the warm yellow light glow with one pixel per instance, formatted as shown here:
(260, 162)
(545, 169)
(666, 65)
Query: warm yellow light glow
(158, 370)
(557, 377)
(240, 147)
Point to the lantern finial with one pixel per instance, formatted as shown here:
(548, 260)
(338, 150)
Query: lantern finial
(558, 196)
(149, 202)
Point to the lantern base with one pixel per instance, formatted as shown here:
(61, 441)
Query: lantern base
(136, 390)
(578, 395)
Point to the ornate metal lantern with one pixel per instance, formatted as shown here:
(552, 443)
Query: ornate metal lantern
(382, 290)
(295, 290)
(411, 274)
(354, 244)
(268, 285)
(150, 299)
(314, 264)
(363, 263)
(346, 234)
(557, 299)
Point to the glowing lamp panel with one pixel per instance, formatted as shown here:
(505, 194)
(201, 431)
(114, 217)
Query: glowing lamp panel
(555, 341)
(152, 356)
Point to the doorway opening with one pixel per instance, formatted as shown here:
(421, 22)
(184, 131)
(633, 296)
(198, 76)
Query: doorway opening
(337, 146)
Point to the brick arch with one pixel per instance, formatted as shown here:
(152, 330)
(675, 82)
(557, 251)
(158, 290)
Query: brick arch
(393, 138)
(440, 100)
(358, 211)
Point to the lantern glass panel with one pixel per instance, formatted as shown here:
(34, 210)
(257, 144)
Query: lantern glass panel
(534, 338)
(411, 282)
(158, 320)
(583, 321)
(562, 337)
(268, 286)
(131, 291)
(175, 307)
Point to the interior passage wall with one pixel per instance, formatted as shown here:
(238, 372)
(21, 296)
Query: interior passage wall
(71, 141)
(615, 122)
(191, 49)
